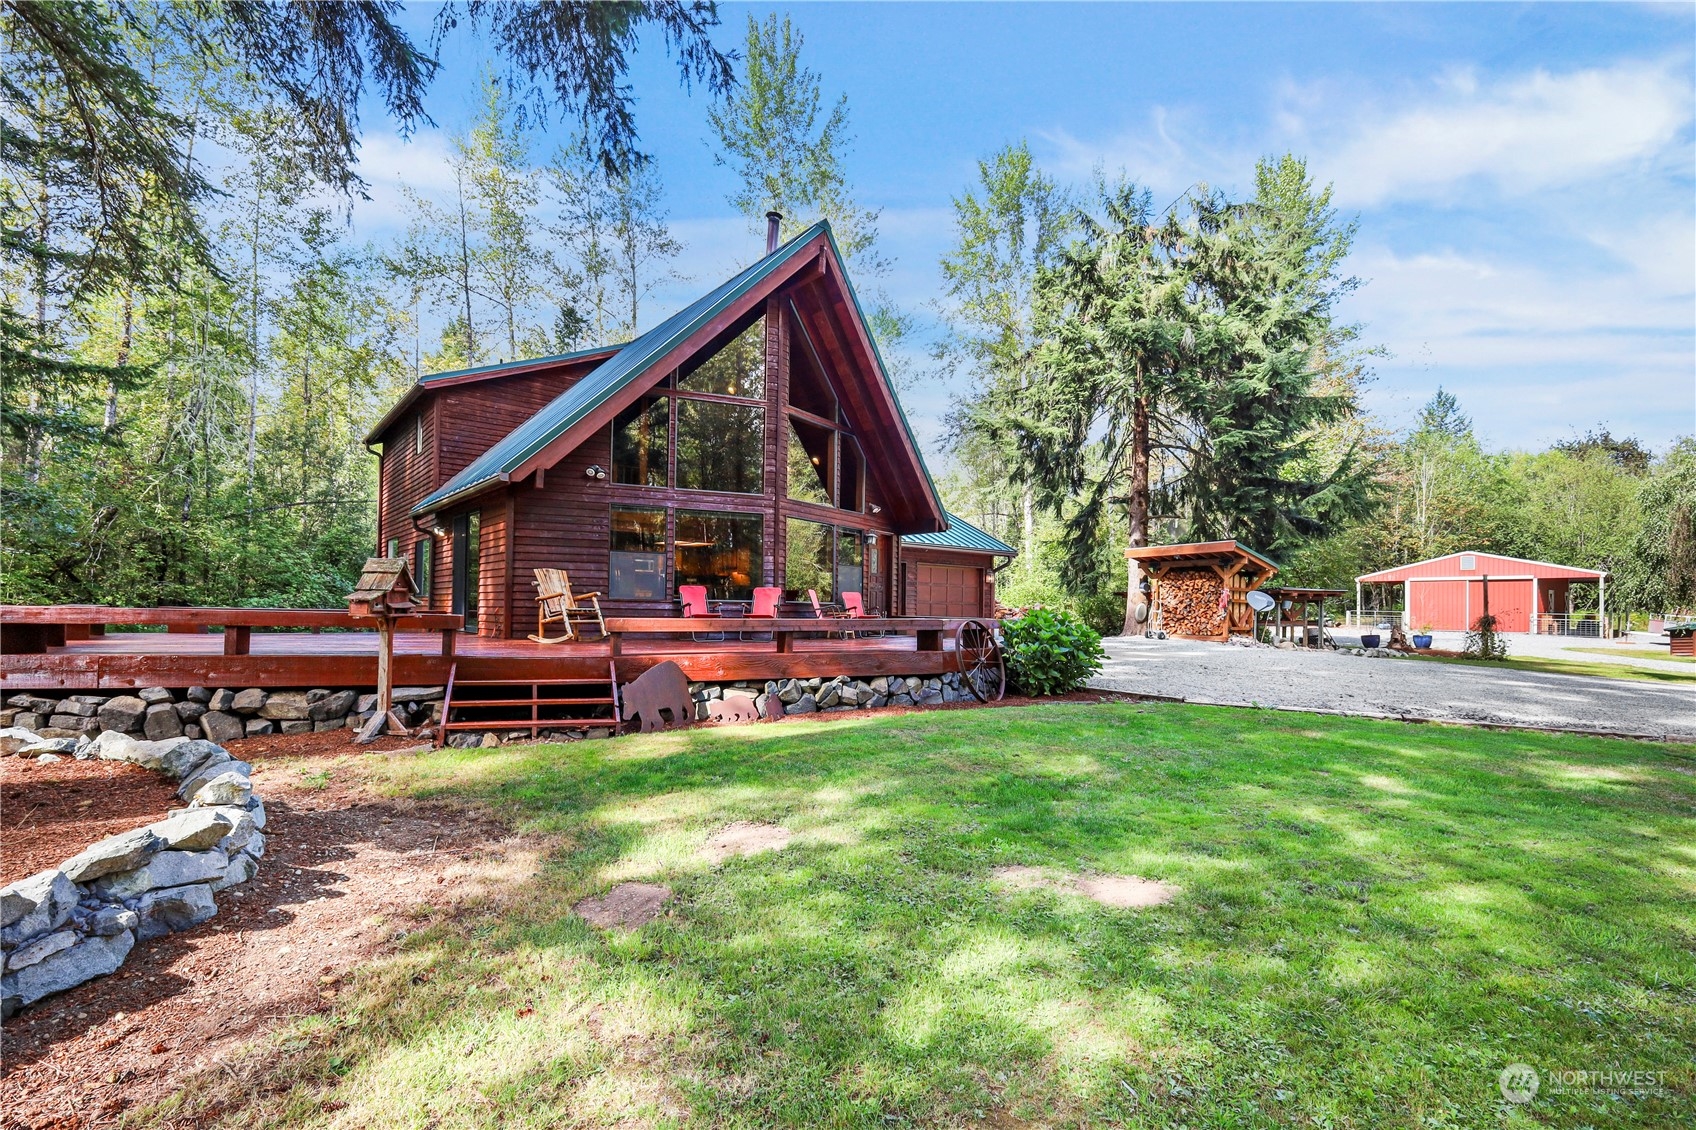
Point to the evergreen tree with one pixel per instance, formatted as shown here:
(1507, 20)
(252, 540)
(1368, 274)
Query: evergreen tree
(1009, 228)
(1266, 273)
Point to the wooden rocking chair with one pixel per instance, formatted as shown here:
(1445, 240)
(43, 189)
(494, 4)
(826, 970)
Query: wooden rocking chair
(557, 604)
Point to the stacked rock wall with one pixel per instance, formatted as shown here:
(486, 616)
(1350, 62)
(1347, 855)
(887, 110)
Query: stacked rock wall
(78, 921)
(221, 715)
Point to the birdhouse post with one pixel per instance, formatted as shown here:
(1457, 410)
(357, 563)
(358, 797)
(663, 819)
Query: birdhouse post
(384, 592)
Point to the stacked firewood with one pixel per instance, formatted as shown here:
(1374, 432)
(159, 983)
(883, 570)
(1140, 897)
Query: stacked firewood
(1189, 602)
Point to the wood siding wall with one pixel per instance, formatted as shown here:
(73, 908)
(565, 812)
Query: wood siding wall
(563, 520)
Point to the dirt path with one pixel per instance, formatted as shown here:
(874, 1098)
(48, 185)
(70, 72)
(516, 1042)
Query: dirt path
(1241, 676)
(346, 874)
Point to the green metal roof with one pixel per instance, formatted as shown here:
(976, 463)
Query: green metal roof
(961, 534)
(605, 381)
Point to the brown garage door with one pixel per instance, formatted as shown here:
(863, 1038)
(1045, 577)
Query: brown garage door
(949, 590)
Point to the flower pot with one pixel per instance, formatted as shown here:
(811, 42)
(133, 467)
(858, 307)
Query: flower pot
(1370, 640)
(1421, 640)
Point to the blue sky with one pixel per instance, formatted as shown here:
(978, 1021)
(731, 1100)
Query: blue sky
(1524, 175)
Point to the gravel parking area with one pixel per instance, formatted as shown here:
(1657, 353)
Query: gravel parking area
(1230, 675)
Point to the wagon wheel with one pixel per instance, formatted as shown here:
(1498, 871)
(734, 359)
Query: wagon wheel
(982, 669)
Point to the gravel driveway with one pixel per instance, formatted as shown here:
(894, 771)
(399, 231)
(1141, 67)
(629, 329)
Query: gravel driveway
(1231, 675)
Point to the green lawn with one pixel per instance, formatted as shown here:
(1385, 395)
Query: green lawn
(1547, 666)
(1374, 920)
(1662, 654)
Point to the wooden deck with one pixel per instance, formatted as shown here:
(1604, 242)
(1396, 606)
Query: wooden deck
(125, 660)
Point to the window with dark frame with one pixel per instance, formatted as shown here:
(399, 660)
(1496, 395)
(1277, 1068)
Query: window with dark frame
(422, 566)
(851, 476)
(636, 562)
(721, 446)
(810, 562)
(640, 441)
(810, 462)
(738, 369)
(850, 561)
(721, 550)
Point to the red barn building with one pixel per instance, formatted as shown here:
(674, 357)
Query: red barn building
(1447, 593)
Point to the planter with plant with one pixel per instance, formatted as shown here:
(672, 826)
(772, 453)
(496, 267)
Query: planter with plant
(1050, 652)
(1422, 638)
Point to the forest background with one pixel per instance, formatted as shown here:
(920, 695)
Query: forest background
(195, 346)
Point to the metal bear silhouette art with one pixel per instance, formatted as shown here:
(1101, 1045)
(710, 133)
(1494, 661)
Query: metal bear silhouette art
(661, 688)
(733, 708)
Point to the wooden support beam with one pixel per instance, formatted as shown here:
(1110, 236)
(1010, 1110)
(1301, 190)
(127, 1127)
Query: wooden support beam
(238, 640)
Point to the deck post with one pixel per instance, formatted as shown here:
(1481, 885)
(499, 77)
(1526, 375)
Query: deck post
(238, 639)
(448, 642)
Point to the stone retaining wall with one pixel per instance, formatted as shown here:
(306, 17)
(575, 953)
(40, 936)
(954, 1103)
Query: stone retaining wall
(221, 715)
(78, 921)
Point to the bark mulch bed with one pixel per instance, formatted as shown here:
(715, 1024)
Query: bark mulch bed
(346, 875)
(51, 811)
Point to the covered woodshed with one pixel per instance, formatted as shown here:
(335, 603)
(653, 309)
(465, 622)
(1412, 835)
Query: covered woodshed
(1199, 590)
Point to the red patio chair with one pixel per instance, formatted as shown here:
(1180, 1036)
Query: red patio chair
(765, 605)
(854, 608)
(826, 613)
(694, 600)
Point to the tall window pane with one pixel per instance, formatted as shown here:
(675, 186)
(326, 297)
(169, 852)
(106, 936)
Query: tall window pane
(636, 565)
(850, 561)
(739, 369)
(422, 567)
(851, 490)
(808, 562)
(721, 551)
(639, 443)
(809, 463)
(721, 446)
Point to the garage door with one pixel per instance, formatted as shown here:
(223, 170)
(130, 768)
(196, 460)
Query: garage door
(949, 590)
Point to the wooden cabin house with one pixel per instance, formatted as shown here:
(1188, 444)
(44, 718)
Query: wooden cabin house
(750, 439)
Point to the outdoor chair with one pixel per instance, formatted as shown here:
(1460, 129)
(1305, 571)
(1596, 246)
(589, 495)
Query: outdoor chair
(855, 609)
(694, 600)
(765, 606)
(557, 604)
(827, 613)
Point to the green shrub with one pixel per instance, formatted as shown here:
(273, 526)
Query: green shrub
(1051, 652)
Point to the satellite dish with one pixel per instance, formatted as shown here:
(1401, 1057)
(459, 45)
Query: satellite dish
(1260, 602)
(1142, 612)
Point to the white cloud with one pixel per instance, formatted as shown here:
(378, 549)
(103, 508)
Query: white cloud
(1524, 134)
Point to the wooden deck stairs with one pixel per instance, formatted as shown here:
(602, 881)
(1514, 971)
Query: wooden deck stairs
(539, 705)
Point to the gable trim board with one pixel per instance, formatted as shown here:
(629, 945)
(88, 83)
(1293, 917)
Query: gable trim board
(591, 403)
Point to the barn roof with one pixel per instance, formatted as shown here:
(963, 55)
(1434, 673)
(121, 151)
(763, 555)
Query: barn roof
(624, 370)
(961, 534)
(1484, 563)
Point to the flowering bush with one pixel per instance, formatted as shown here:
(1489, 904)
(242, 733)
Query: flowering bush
(1050, 652)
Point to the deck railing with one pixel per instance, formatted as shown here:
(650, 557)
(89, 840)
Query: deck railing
(31, 628)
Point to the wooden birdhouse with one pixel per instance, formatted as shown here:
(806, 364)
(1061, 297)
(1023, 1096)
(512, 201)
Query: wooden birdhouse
(385, 588)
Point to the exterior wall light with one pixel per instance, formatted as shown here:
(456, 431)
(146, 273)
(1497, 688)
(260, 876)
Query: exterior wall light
(596, 471)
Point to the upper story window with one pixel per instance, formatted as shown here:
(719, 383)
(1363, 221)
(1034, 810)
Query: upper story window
(811, 465)
(721, 446)
(641, 442)
(418, 435)
(739, 369)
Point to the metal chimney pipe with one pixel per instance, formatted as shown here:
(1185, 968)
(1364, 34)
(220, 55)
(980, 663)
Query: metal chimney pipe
(774, 222)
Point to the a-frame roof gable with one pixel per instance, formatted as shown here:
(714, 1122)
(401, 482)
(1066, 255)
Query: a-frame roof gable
(811, 259)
